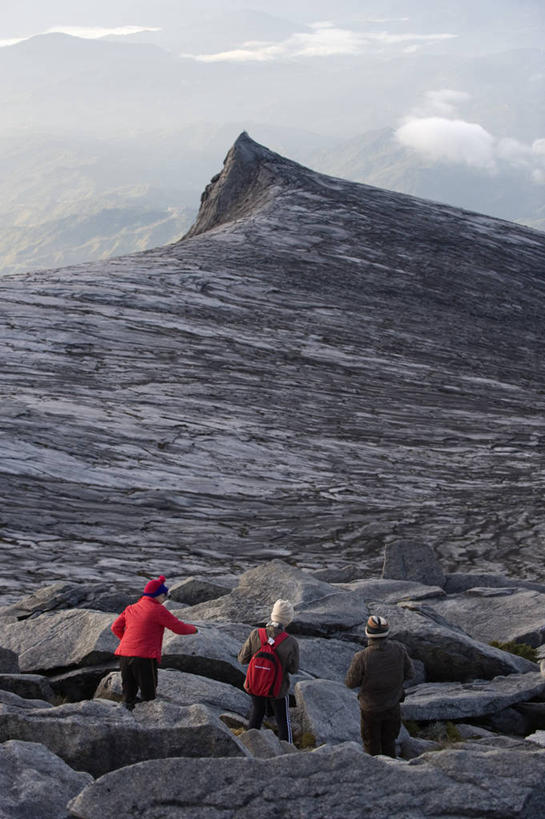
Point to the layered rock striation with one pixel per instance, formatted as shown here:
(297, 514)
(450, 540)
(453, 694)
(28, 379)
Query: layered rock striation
(318, 369)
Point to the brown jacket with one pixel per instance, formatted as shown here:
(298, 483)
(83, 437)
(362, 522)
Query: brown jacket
(380, 670)
(287, 651)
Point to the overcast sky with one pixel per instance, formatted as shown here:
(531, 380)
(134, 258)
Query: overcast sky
(443, 119)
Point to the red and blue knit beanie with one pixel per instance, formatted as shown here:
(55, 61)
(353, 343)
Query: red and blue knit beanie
(156, 587)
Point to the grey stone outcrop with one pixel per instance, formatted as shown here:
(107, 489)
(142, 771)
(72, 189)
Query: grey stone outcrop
(69, 595)
(99, 736)
(326, 659)
(264, 744)
(407, 560)
(252, 599)
(35, 783)
(28, 686)
(328, 784)
(194, 590)
(211, 652)
(457, 701)
(393, 591)
(184, 689)
(458, 582)
(60, 639)
(499, 613)
(329, 711)
(447, 652)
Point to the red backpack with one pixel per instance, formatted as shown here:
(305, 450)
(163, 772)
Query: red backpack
(265, 673)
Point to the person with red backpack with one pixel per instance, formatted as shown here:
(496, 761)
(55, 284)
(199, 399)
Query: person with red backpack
(140, 630)
(272, 655)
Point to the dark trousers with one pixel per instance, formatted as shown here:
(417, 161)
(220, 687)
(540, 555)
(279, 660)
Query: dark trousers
(281, 712)
(379, 730)
(138, 673)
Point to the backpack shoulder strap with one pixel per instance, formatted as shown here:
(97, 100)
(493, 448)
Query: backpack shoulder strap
(263, 636)
(280, 638)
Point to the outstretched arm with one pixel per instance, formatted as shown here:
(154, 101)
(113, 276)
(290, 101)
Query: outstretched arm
(168, 620)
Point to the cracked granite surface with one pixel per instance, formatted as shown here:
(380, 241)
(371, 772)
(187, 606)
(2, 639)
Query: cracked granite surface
(319, 368)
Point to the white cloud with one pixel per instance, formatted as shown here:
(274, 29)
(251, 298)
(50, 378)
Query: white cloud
(323, 40)
(85, 32)
(449, 140)
(454, 140)
(443, 102)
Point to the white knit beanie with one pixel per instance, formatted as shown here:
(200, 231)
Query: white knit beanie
(282, 612)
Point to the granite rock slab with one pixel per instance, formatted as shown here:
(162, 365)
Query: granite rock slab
(61, 639)
(332, 783)
(211, 652)
(502, 614)
(329, 711)
(416, 561)
(28, 686)
(184, 689)
(455, 701)
(98, 736)
(447, 652)
(35, 783)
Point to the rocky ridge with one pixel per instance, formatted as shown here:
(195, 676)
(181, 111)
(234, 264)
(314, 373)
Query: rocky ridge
(317, 370)
(476, 747)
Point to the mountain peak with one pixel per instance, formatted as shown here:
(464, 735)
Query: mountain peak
(243, 186)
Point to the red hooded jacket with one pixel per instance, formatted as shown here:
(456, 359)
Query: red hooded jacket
(140, 628)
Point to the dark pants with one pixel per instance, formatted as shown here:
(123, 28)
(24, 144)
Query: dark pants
(379, 730)
(281, 712)
(138, 673)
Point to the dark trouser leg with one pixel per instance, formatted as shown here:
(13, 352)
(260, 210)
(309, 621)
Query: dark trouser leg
(371, 732)
(379, 730)
(391, 723)
(129, 683)
(145, 672)
(282, 714)
(259, 704)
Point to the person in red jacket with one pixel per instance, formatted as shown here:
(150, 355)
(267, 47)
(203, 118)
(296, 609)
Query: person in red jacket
(140, 628)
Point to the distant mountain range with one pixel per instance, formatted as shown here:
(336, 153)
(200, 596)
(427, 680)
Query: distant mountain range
(105, 144)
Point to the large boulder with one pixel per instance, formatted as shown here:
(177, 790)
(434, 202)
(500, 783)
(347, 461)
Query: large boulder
(393, 591)
(35, 783)
(457, 582)
(252, 599)
(211, 652)
(412, 561)
(28, 686)
(60, 639)
(69, 595)
(333, 783)
(455, 701)
(184, 689)
(326, 659)
(329, 711)
(447, 652)
(194, 590)
(100, 735)
(502, 614)
(264, 744)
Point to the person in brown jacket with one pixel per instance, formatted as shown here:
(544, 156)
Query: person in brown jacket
(380, 670)
(288, 654)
